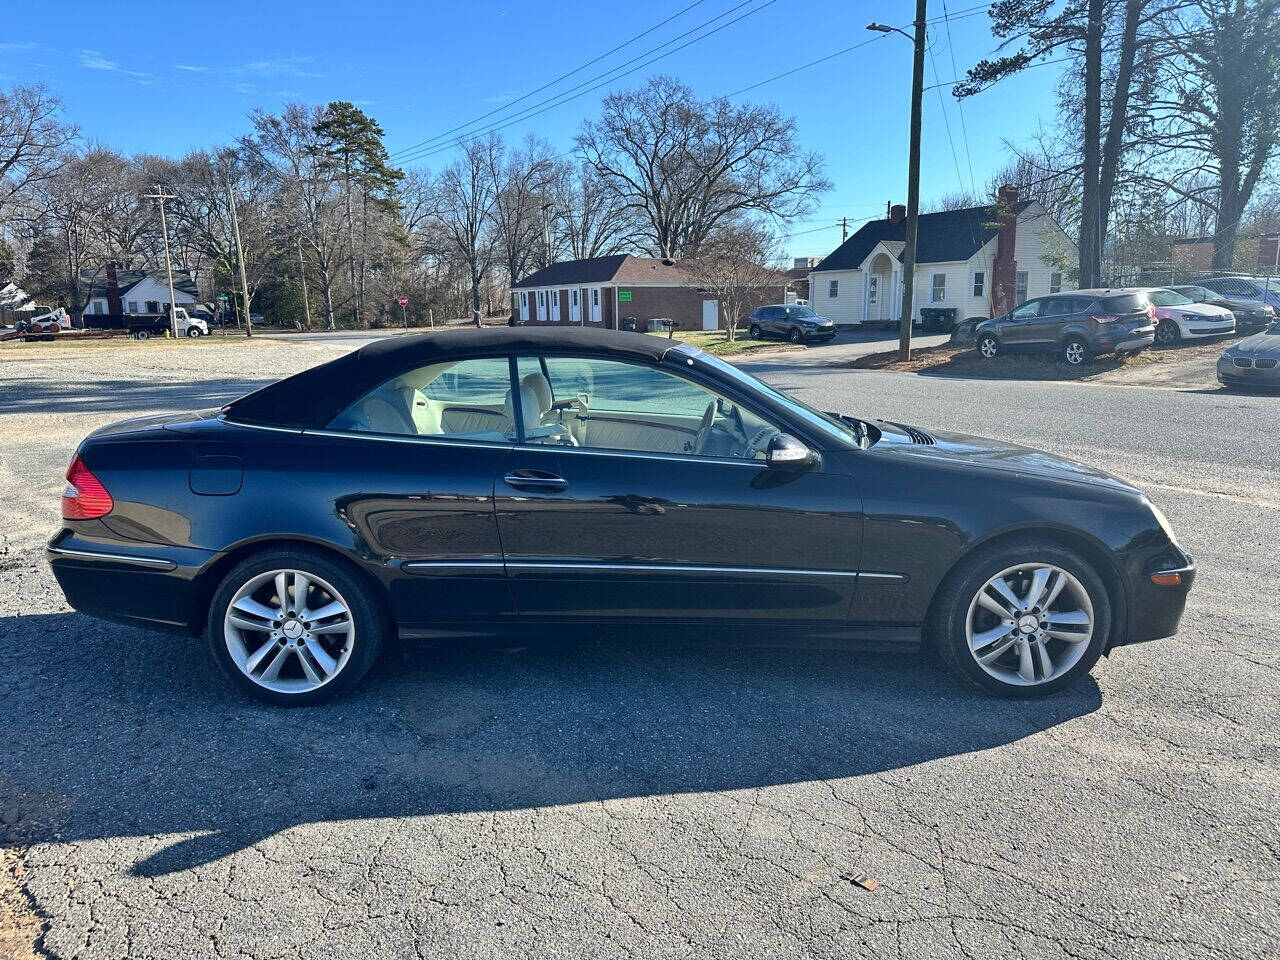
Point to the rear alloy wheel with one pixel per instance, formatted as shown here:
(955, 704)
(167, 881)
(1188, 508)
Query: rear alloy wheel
(988, 346)
(1167, 333)
(795, 336)
(1075, 352)
(754, 332)
(294, 627)
(1022, 620)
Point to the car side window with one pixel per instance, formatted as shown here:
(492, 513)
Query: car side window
(1027, 311)
(616, 405)
(457, 399)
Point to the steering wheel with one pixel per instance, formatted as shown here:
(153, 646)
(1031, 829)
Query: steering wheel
(704, 427)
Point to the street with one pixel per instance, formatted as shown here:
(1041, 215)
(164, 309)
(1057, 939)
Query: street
(635, 798)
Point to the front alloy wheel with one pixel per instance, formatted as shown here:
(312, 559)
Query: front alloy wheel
(795, 336)
(294, 627)
(1167, 333)
(988, 346)
(754, 332)
(1021, 619)
(1029, 624)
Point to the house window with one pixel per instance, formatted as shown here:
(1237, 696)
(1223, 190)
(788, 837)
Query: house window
(133, 306)
(833, 289)
(1055, 282)
(97, 307)
(524, 299)
(1020, 287)
(573, 297)
(979, 284)
(595, 296)
(153, 307)
(939, 288)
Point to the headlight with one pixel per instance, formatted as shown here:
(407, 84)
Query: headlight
(1164, 522)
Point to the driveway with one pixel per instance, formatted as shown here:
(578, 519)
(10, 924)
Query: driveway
(623, 797)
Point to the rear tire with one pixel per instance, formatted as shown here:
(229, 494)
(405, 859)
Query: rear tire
(1075, 352)
(988, 346)
(142, 335)
(963, 630)
(279, 654)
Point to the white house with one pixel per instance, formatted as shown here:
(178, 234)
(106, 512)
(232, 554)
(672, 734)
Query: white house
(982, 261)
(135, 292)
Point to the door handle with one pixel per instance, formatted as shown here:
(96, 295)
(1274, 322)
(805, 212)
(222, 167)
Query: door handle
(535, 480)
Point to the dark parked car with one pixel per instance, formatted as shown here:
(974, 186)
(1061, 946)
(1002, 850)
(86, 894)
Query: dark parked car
(1253, 361)
(1251, 316)
(1076, 326)
(790, 321)
(545, 478)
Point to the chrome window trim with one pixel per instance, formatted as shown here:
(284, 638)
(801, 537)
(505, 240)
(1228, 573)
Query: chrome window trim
(153, 562)
(296, 431)
(393, 438)
(679, 458)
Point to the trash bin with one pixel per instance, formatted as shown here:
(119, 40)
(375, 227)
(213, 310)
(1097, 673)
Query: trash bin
(629, 323)
(938, 319)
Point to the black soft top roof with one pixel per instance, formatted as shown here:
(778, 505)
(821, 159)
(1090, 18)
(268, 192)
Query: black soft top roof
(310, 399)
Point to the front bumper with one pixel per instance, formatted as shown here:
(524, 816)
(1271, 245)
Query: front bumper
(1209, 330)
(1251, 376)
(1154, 609)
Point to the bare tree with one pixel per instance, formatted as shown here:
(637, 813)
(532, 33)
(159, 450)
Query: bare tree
(33, 142)
(308, 194)
(592, 221)
(737, 268)
(684, 167)
(466, 193)
(523, 177)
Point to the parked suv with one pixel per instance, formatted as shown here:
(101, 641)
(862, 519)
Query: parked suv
(1075, 326)
(792, 321)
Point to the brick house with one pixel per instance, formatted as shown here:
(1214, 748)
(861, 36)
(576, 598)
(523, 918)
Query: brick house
(605, 291)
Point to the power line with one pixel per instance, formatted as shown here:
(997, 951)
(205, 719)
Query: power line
(811, 63)
(568, 95)
(551, 83)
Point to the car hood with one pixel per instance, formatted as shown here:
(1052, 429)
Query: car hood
(996, 455)
(1197, 310)
(1259, 343)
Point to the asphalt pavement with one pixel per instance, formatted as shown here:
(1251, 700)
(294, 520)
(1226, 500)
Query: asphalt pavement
(628, 798)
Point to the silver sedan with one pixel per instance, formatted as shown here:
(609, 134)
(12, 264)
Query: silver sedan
(1253, 361)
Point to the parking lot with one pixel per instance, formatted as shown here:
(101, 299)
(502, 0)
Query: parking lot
(635, 798)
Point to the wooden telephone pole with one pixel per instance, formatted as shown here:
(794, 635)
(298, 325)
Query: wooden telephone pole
(160, 197)
(244, 283)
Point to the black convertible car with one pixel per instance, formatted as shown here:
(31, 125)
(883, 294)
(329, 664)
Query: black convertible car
(464, 483)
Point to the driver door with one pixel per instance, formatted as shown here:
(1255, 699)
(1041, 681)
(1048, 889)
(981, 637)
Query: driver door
(641, 497)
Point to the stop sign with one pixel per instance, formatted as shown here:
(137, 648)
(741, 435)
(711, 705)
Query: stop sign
(403, 301)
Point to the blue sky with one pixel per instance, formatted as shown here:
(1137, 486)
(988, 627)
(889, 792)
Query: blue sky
(421, 69)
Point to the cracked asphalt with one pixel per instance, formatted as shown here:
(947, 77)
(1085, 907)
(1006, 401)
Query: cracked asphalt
(633, 798)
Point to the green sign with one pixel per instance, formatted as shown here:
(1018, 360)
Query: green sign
(624, 296)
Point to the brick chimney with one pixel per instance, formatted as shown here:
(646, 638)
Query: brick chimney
(1005, 268)
(897, 213)
(115, 306)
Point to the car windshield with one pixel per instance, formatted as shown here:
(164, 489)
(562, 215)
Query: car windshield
(1197, 294)
(1167, 298)
(830, 427)
(799, 313)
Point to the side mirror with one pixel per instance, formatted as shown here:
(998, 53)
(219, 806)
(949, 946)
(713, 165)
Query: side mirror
(785, 452)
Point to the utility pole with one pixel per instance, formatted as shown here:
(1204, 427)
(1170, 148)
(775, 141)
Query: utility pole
(244, 283)
(913, 175)
(160, 197)
(302, 277)
(844, 229)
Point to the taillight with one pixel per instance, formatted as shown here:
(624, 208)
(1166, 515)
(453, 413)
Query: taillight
(84, 498)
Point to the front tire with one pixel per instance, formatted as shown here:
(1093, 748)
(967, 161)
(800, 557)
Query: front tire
(795, 336)
(1167, 333)
(1022, 619)
(193, 332)
(754, 332)
(295, 627)
(988, 346)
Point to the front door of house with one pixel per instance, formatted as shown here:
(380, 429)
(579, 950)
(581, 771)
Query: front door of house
(575, 307)
(710, 314)
(595, 304)
(524, 306)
